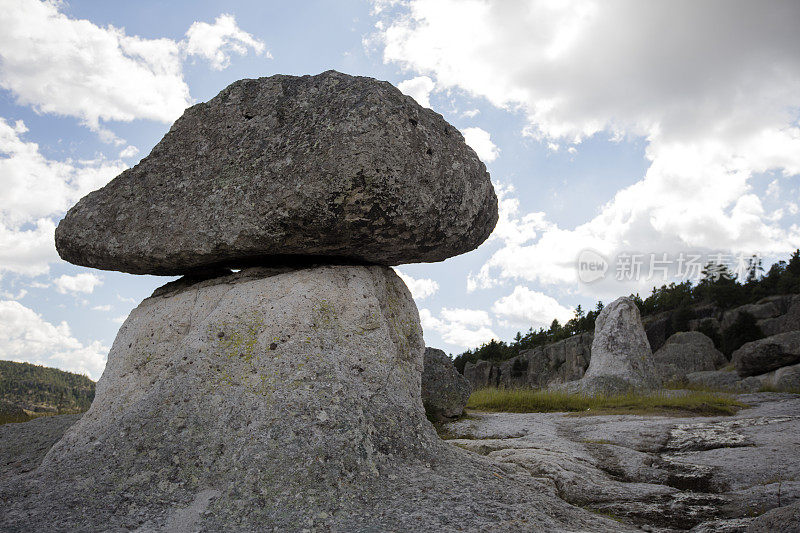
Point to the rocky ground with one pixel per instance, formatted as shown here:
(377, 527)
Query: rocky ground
(709, 474)
(658, 473)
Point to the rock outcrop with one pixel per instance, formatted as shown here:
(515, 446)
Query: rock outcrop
(786, 321)
(684, 353)
(558, 362)
(277, 399)
(768, 354)
(773, 314)
(285, 168)
(567, 360)
(621, 357)
(444, 391)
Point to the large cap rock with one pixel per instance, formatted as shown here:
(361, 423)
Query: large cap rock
(687, 352)
(272, 400)
(329, 165)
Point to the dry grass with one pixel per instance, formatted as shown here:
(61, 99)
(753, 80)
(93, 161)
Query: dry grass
(692, 403)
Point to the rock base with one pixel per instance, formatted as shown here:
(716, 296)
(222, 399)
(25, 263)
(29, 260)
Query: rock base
(272, 400)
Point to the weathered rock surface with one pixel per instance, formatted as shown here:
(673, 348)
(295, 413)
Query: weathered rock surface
(620, 358)
(24, 445)
(277, 168)
(687, 352)
(271, 399)
(765, 355)
(659, 473)
(784, 519)
(444, 391)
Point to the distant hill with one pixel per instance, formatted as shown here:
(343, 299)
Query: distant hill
(27, 391)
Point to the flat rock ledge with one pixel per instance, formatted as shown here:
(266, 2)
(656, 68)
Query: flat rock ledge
(269, 400)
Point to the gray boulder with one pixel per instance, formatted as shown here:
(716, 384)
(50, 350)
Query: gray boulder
(786, 378)
(271, 400)
(621, 357)
(762, 310)
(687, 352)
(765, 355)
(444, 391)
(789, 321)
(723, 380)
(285, 168)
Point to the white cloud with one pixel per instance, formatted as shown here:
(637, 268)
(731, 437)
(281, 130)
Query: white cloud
(84, 282)
(11, 296)
(216, 42)
(125, 299)
(85, 71)
(420, 288)
(480, 141)
(99, 74)
(418, 88)
(128, 151)
(120, 319)
(471, 113)
(35, 189)
(463, 328)
(712, 88)
(526, 308)
(27, 251)
(26, 336)
(104, 308)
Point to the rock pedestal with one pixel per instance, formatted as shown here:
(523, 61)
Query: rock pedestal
(278, 400)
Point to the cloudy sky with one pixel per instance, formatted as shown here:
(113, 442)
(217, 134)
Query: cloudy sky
(624, 130)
